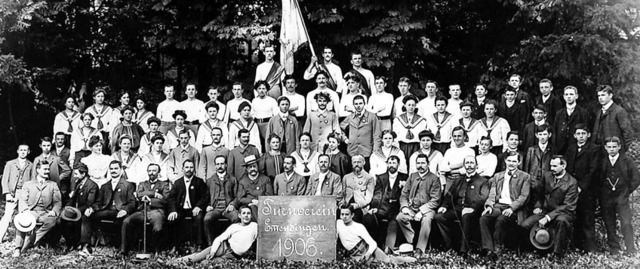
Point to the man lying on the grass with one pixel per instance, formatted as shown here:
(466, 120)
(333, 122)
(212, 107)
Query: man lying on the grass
(357, 241)
(232, 243)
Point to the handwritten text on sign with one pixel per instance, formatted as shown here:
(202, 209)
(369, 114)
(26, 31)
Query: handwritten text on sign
(299, 228)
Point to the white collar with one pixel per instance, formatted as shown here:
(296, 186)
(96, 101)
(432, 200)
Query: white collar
(607, 105)
(572, 106)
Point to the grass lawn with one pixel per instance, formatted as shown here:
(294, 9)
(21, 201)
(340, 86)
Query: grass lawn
(105, 257)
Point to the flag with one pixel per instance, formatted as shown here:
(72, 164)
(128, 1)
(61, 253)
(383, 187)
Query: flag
(293, 33)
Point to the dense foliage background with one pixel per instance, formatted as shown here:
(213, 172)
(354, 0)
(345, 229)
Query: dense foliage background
(50, 48)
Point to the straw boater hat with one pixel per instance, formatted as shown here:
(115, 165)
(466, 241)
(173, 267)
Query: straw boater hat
(541, 238)
(249, 160)
(24, 222)
(71, 214)
(405, 249)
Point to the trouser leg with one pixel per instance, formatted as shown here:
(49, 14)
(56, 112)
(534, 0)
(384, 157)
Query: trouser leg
(10, 208)
(425, 230)
(404, 221)
(562, 225)
(468, 221)
(445, 221)
(487, 225)
(609, 216)
(625, 223)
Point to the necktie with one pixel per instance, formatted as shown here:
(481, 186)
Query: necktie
(100, 124)
(283, 145)
(70, 129)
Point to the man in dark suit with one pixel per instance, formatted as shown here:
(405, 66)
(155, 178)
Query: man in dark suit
(505, 206)
(61, 150)
(537, 161)
(116, 198)
(222, 203)
(83, 196)
(463, 202)
(188, 198)
(59, 170)
(550, 101)
(566, 120)
(385, 204)
(612, 120)
(522, 97)
(516, 113)
(556, 206)
(325, 182)
(155, 193)
(583, 159)
(619, 178)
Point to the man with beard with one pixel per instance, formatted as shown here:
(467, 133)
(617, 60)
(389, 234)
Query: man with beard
(385, 204)
(418, 202)
(289, 182)
(334, 80)
(325, 182)
(116, 199)
(363, 129)
(505, 205)
(321, 122)
(367, 78)
(253, 185)
(271, 72)
(312, 101)
(40, 198)
(155, 193)
(59, 171)
(359, 187)
(233, 243)
(83, 196)
(463, 202)
(556, 206)
(188, 198)
(238, 154)
(222, 203)
(206, 167)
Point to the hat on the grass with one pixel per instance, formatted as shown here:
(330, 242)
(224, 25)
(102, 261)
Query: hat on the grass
(541, 238)
(24, 222)
(71, 214)
(405, 248)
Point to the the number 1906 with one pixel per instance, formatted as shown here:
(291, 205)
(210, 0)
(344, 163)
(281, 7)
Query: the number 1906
(299, 246)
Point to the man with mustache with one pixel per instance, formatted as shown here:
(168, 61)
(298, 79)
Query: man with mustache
(83, 197)
(325, 182)
(289, 182)
(359, 186)
(334, 78)
(238, 154)
(312, 102)
(222, 203)
(207, 167)
(386, 204)
(418, 202)
(363, 128)
(253, 185)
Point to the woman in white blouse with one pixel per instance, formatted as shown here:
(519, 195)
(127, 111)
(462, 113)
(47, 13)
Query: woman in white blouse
(97, 162)
(408, 125)
(379, 157)
(80, 139)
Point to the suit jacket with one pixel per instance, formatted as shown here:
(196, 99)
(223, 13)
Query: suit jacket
(282, 187)
(161, 187)
(198, 194)
(421, 193)
(516, 115)
(12, 173)
(520, 186)
(84, 197)
(32, 192)
(332, 185)
(207, 166)
(289, 133)
(59, 171)
(503, 155)
(558, 198)
(553, 104)
(615, 122)
(564, 126)
(629, 178)
(536, 162)
(252, 189)
(364, 133)
(229, 185)
(477, 109)
(583, 165)
(122, 197)
(471, 194)
(386, 198)
(523, 98)
(64, 154)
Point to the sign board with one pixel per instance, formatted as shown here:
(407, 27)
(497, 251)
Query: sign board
(297, 228)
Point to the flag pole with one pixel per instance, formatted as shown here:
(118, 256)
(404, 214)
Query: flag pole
(306, 32)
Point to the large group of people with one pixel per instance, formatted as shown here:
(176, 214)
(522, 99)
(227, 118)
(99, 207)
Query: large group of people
(473, 170)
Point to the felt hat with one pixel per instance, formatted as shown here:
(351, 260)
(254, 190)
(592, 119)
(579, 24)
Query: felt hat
(24, 222)
(249, 160)
(541, 237)
(71, 214)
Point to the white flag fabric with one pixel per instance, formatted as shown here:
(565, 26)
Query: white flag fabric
(292, 33)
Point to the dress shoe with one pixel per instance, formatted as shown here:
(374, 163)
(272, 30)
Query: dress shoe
(418, 254)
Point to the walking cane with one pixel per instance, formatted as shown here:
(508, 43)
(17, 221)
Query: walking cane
(144, 255)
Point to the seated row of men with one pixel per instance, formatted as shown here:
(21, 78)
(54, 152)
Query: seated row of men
(496, 205)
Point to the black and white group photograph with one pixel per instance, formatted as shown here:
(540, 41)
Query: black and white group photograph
(319, 134)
